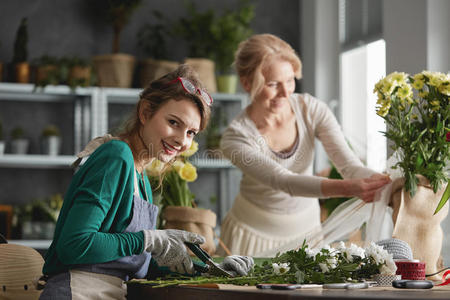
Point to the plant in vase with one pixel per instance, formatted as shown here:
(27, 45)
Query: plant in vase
(416, 110)
(19, 144)
(79, 72)
(51, 140)
(176, 201)
(152, 40)
(20, 64)
(48, 71)
(116, 69)
(197, 30)
(37, 219)
(229, 30)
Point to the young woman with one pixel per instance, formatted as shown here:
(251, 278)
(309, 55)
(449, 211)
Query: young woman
(105, 232)
(272, 142)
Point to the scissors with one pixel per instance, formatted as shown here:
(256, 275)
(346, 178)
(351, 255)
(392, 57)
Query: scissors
(210, 267)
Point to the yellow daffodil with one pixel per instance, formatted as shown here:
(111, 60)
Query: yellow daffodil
(191, 151)
(177, 165)
(155, 168)
(188, 172)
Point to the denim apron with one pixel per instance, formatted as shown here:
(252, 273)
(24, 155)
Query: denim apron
(105, 280)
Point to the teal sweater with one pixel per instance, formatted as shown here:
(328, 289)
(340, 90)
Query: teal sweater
(97, 209)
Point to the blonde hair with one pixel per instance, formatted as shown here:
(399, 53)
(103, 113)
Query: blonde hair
(159, 91)
(254, 52)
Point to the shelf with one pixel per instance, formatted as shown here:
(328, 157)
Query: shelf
(36, 161)
(50, 93)
(35, 244)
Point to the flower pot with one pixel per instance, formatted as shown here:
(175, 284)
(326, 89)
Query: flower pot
(152, 69)
(415, 223)
(198, 220)
(51, 145)
(22, 72)
(114, 70)
(227, 83)
(2, 147)
(79, 75)
(19, 146)
(45, 74)
(206, 72)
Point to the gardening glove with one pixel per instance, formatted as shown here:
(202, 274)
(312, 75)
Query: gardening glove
(237, 264)
(168, 249)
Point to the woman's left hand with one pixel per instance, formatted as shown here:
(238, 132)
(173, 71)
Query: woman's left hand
(237, 264)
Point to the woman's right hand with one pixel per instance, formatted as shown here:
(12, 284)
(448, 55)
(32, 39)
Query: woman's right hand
(363, 188)
(168, 249)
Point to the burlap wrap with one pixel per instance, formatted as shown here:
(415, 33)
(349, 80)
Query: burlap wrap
(415, 223)
(198, 220)
(206, 72)
(114, 70)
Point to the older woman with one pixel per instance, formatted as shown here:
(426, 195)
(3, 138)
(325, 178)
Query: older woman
(272, 142)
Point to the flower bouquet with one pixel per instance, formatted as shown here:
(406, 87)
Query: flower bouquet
(417, 112)
(305, 265)
(179, 210)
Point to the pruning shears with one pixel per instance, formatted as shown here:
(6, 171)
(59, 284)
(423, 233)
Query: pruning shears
(209, 266)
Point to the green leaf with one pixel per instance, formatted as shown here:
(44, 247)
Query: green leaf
(444, 199)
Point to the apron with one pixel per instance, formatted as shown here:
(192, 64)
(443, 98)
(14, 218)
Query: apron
(106, 280)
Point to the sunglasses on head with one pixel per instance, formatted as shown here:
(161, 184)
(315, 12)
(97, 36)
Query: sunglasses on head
(189, 87)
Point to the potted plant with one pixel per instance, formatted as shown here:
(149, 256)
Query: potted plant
(19, 144)
(196, 30)
(178, 207)
(47, 70)
(416, 110)
(36, 220)
(229, 30)
(51, 140)
(116, 69)
(79, 72)
(152, 40)
(2, 142)
(21, 66)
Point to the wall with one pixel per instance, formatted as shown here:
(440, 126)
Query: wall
(61, 28)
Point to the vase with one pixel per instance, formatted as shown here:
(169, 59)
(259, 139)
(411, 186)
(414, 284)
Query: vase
(197, 220)
(227, 83)
(206, 72)
(19, 146)
(114, 70)
(51, 145)
(415, 223)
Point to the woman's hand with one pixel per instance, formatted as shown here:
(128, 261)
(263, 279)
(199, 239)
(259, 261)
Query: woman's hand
(364, 188)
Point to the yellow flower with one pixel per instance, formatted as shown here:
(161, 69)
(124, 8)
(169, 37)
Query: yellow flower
(399, 77)
(414, 116)
(188, 172)
(155, 168)
(423, 94)
(404, 91)
(435, 81)
(189, 152)
(418, 84)
(178, 165)
(435, 103)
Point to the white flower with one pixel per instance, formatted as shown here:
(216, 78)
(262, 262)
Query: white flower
(312, 252)
(352, 251)
(382, 258)
(324, 267)
(280, 268)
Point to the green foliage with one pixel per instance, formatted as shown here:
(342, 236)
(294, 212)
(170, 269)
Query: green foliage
(152, 37)
(51, 130)
(417, 113)
(197, 30)
(17, 133)
(229, 30)
(20, 44)
(40, 210)
(305, 265)
(117, 13)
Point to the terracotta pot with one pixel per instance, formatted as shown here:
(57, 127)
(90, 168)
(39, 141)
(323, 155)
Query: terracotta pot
(198, 220)
(79, 75)
(415, 223)
(206, 72)
(43, 73)
(152, 69)
(114, 70)
(22, 72)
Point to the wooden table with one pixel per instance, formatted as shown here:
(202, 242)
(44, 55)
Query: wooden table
(227, 292)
